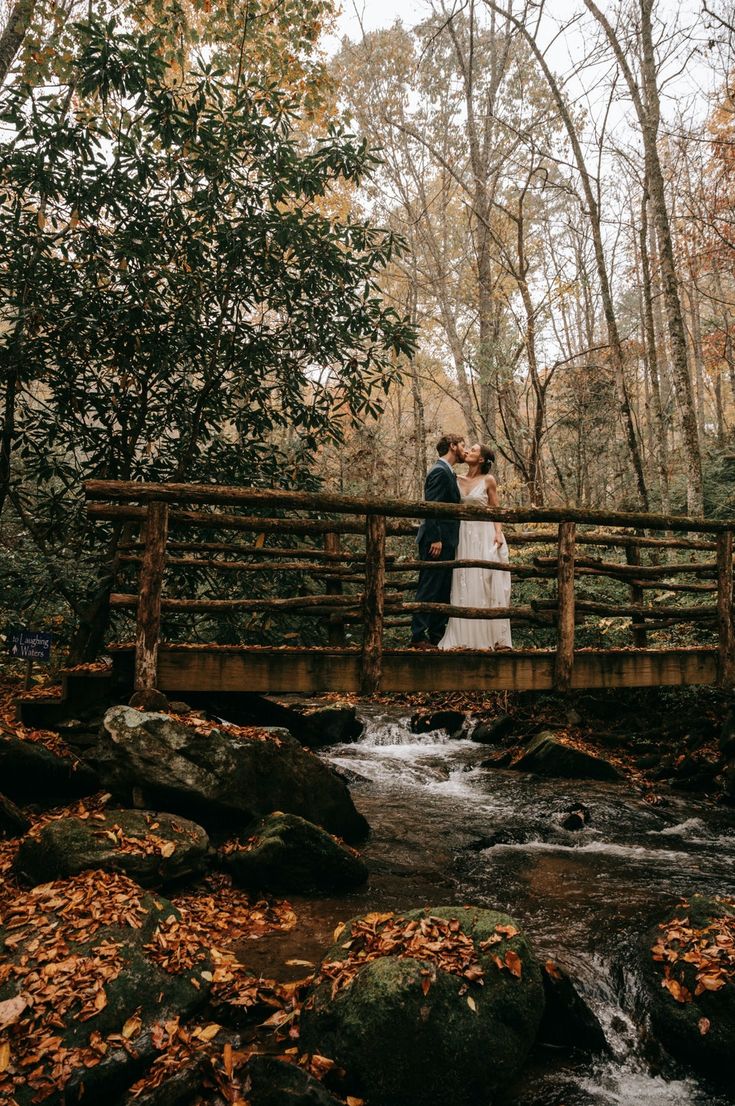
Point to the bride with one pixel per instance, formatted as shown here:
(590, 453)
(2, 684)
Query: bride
(479, 541)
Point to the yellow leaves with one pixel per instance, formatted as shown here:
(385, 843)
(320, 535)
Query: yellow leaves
(4, 1055)
(338, 932)
(168, 849)
(207, 1032)
(132, 1026)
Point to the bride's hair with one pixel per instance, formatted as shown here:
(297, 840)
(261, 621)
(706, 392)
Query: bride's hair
(488, 458)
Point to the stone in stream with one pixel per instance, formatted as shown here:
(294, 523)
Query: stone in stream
(288, 855)
(88, 987)
(31, 772)
(154, 849)
(576, 817)
(411, 1032)
(568, 1021)
(688, 971)
(331, 724)
(494, 732)
(451, 721)
(221, 776)
(547, 755)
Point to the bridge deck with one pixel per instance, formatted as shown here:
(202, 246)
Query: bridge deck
(266, 669)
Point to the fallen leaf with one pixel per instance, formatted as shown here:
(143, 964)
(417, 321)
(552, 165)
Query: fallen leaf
(703, 1024)
(552, 970)
(132, 1027)
(208, 1032)
(11, 1009)
(472, 1004)
(513, 963)
(4, 1055)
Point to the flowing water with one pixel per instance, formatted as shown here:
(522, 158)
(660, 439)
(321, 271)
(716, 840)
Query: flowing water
(445, 830)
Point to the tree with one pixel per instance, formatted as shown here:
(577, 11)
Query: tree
(176, 293)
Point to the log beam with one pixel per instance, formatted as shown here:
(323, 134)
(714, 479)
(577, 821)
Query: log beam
(564, 662)
(373, 604)
(725, 626)
(148, 622)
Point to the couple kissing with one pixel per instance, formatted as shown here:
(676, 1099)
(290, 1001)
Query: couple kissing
(449, 540)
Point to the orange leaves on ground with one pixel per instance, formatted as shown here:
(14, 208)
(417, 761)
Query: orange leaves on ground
(696, 960)
(439, 941)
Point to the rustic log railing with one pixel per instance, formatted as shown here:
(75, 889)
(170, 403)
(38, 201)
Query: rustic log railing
(334, 521)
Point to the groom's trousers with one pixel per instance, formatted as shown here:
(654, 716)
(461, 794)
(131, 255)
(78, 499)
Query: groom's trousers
(435, 586)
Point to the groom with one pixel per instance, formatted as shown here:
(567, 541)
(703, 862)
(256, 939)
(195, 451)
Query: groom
(437, 541)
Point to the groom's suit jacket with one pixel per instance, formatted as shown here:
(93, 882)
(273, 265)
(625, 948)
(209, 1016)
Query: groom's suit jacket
(440, 487)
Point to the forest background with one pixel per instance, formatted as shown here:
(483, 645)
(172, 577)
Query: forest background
(238, 247)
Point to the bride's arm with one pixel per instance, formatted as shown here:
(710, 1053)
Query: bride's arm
(491, 487)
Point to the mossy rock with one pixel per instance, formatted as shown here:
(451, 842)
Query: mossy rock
(404, 1047)
(700, 1031)
(222, 778)
(288, 855)
(547, 755)
(80, 949)
(154, 849)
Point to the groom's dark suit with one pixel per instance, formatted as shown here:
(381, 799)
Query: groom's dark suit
(435, 584)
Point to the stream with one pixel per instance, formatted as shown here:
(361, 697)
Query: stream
(445, 830)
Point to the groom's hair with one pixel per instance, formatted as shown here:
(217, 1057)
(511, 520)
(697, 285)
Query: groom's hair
(447, 442)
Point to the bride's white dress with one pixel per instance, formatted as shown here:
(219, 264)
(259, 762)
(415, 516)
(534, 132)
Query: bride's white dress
(478, 587)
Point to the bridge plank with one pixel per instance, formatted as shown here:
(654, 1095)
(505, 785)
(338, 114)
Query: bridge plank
(313, 671)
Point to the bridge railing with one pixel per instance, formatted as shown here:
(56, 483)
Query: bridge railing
(327, 519)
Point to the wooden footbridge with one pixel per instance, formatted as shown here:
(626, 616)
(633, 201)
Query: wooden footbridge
(334, 575)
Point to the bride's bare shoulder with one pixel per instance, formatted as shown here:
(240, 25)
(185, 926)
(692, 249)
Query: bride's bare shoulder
(490, 481)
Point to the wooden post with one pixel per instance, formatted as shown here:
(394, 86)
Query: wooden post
(640, 637)
(565, 614)
(149, 601)
(332, 544)
(726, 670)
(372, 647)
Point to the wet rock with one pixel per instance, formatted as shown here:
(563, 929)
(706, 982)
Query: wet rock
(547, 755)
(568, 1021)
(271, 1082)
(700, 1030)
(13, 821)
(149, 699)
(576, 818)
(220, 777)
(153, 849)
(451, 721)
(494, 732)
(407, 1042)
(336, 724)
(90, 935)
(726, 780)
(288, 855)
(501, 759)
(647, 760)
(509, 835)
(32, 773)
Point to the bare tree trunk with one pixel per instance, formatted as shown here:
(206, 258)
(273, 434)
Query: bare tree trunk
(648, 110)
(616, 349)
(15, 31)
(649, 331)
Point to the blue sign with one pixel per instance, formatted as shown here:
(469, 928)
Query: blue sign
(29, 645)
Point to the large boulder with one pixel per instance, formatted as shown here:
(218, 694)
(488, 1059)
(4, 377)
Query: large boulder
(547, 755)
(441, 1005)
(221, 776)
(451, 721)
(495, 731)
(154, 849)
(688, 968)
(32, 772)
(288, 855)
(87, 990)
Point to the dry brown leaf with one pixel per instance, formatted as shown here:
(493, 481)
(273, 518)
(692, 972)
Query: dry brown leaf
(4, 1055)
(472, 1004)
(132, 1027)
(513, 963)
(11, 1009)
(704, 1025)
